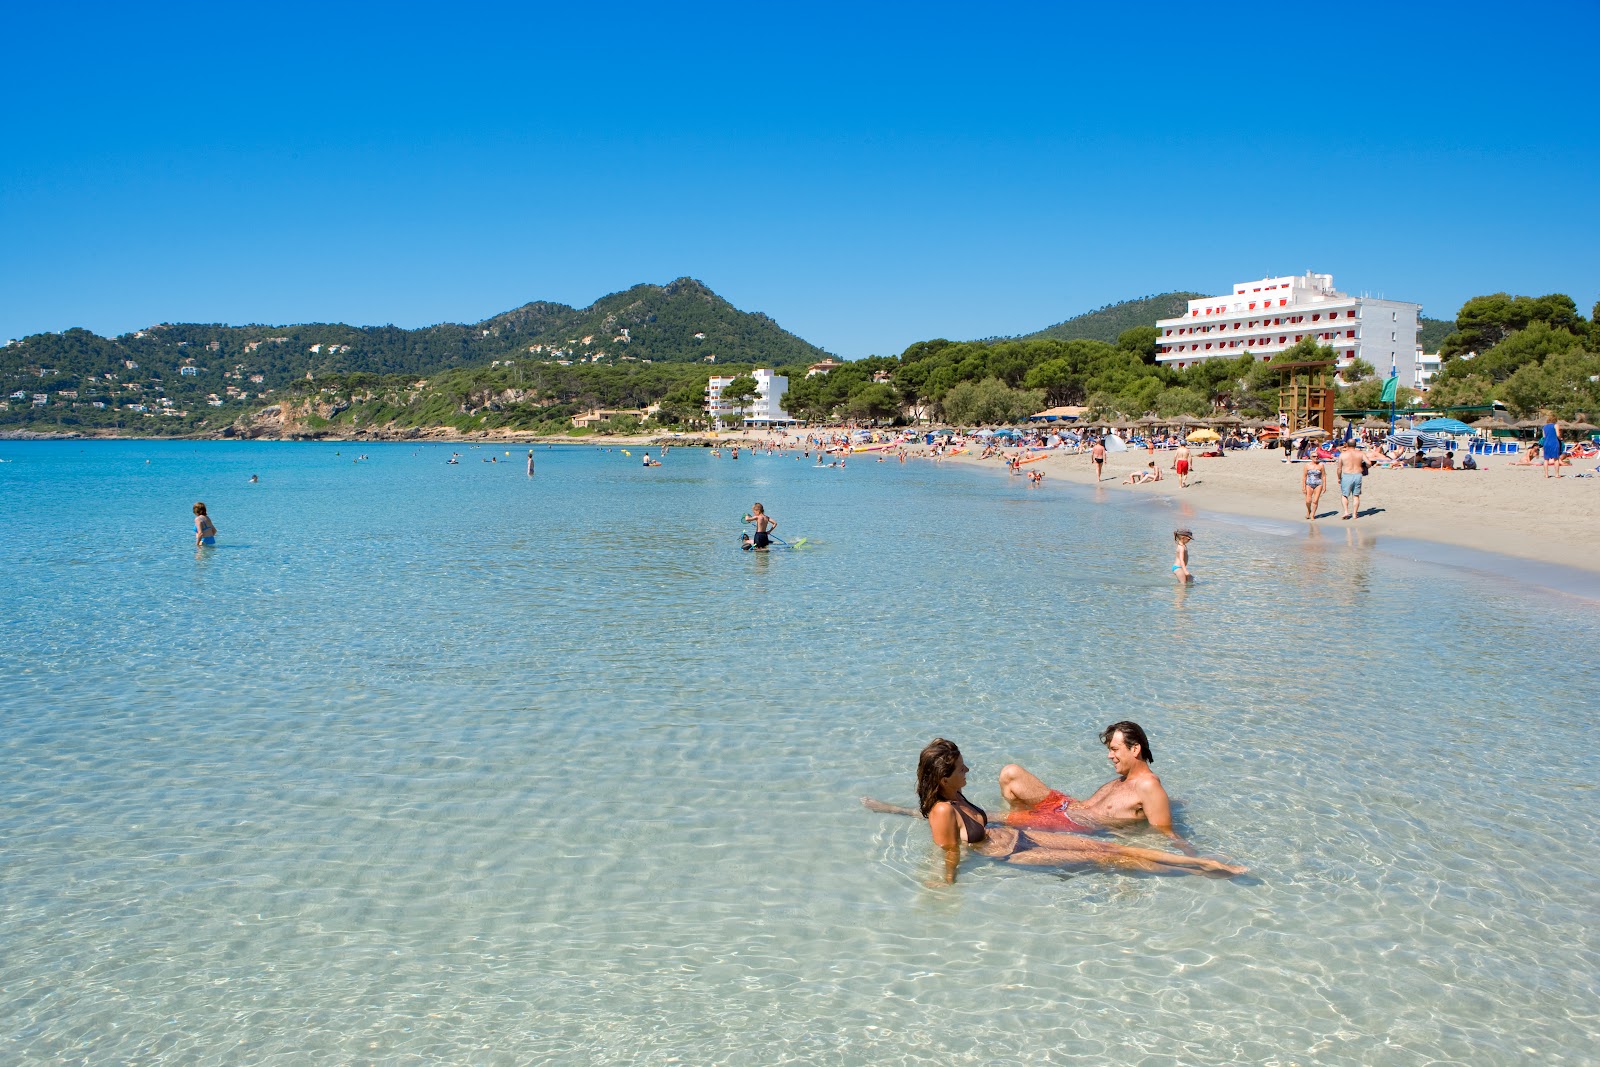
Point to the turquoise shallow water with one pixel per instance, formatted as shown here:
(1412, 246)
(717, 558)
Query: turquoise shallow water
(434, 764)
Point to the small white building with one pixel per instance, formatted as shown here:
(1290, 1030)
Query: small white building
(764, 409)
(1262, 318)
(1426, 366)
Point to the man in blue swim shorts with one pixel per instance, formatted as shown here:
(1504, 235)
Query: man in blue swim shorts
(1350, 472)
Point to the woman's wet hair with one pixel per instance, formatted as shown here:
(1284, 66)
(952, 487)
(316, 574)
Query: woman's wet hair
(1132, 734)
(937, 762)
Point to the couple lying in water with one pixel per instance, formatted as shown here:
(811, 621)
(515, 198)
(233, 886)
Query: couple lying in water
(1044, 827)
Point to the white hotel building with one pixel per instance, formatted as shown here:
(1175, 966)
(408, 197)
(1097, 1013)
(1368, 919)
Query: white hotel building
(765, 409)
(1262, 318)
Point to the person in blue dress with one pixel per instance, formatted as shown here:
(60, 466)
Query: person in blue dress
(1552, 447)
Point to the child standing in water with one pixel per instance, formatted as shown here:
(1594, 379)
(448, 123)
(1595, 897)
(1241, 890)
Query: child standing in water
(764, 527)
(1180, 563)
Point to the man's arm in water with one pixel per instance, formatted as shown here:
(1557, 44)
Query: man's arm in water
(1158, 810)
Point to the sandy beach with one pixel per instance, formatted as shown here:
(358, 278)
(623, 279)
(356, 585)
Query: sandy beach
(1511, 510)
(1501, 508)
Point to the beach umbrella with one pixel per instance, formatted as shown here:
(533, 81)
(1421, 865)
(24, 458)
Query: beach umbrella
(1443, 426)
(1224, 420)
(1205, 435)
(1370, 423)
(1309, 431)
(1528, 424)
(1579, 427)
(1148, 420)
(1491, 422)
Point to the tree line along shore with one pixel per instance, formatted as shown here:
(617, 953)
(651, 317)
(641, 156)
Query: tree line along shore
(1532, 354)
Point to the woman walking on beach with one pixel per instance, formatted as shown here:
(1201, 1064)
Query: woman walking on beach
(204, 532)
(1552, 447)
(953, 820)
(1312, 483)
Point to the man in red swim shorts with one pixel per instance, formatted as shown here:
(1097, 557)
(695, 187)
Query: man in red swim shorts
(1135, 795)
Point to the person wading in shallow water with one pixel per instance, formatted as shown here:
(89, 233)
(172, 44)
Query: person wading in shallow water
(764, 527)
(205, 533)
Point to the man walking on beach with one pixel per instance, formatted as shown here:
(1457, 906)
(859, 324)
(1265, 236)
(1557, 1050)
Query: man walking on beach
(1180, 463)
(1350, 471)
(1098, 454)
(1135, 795)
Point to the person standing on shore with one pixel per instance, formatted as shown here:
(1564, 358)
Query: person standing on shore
(1311, 484)
(1180, 463)
(1098, 454)
(1552, 447)
(205, 533)
(1350, 472)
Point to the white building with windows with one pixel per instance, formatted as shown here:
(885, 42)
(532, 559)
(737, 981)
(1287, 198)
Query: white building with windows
(1427, 365)
(1264, 317)
(765, 409)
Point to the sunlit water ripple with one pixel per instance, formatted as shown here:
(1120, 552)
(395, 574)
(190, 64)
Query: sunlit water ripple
(438, 764)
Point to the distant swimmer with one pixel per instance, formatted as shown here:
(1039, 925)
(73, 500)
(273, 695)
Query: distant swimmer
(205, 532)
(530, 463)
(254, 478)
(764, 527)
(1180, 563)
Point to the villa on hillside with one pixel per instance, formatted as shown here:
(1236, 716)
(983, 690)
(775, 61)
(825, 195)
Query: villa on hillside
(1262, 318)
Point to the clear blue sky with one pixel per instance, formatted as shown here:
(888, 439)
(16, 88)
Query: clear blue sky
(868, 175)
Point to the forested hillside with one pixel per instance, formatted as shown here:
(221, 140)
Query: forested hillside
(523, 371)
(1108, 323)
(187, 377)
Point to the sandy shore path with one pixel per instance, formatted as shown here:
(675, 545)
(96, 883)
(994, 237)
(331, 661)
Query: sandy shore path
(1510, 510)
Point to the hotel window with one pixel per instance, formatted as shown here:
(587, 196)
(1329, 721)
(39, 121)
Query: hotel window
(1349, 333)
(1350, 314)
(1394, 316)
(1282, 340)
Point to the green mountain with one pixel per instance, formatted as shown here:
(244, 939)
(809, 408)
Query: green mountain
(212, 373)
(1107, 323)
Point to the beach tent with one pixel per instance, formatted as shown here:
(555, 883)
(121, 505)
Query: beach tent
(1443, 426)
(1114, 443)
(1414, 439)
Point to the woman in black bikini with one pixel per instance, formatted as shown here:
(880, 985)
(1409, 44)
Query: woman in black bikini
(954, 820)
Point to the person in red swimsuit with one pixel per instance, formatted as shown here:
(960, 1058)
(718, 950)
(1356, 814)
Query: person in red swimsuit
(1134, 796)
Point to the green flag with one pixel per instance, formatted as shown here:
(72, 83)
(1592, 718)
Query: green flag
(1389, 386)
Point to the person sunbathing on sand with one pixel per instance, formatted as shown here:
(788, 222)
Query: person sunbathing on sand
(1151, 473)
(953, 820)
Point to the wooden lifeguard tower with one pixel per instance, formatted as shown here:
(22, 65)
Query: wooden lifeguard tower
(1305, 395)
